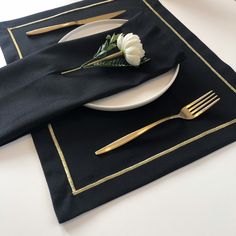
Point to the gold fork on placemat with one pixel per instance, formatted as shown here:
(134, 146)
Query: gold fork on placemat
(188, 112)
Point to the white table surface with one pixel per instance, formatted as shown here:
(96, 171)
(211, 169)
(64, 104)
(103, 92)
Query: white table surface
(197, 200)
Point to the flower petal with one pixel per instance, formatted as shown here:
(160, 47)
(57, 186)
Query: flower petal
(120, 41)
(132, 51)
(132, 47)
(133, 59)
(130, 43)
(129, 35)
(135, 51)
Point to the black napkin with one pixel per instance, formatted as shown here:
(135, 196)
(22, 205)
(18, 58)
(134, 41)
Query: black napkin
(33, 90)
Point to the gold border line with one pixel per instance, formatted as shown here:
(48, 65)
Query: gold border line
(146, 161)
(152, 158)
(15, 43)
(63, 160)
(190, 47)
(62, 13)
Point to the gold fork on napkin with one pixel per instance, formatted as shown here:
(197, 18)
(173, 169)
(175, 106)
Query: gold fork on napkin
(188, 112)
(73, 23)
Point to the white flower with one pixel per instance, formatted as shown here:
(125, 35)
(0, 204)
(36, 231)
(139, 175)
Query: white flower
(131, 46)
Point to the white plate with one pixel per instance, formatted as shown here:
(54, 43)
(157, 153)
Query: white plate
(128, 99)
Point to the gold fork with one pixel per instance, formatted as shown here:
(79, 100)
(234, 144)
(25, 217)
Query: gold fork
(188, 112)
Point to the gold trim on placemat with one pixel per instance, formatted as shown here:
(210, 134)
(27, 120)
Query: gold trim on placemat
(190, 47)
(15, 43)
(149, 159)
(141, 163)
(49, 18)
(62, 157)
(62, 13)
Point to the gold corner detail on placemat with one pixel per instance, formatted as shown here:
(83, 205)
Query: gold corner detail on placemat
(51, 131)
(189, 46)
(15, 43)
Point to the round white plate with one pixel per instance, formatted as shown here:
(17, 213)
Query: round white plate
(131, 98)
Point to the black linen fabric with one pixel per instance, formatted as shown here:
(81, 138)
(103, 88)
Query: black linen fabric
(33, 90)
(78, 180)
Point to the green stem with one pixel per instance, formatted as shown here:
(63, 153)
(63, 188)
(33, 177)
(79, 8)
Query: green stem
(107, 58)
(88, 64)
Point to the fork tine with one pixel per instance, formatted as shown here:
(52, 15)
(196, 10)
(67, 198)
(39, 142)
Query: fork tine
(206, 108)
(204, 104)
(201, 101)
(198, 99)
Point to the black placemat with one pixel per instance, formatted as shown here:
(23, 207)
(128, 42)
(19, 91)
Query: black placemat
(77, 179)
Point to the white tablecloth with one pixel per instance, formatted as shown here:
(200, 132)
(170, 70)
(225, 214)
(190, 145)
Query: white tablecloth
(197, 200)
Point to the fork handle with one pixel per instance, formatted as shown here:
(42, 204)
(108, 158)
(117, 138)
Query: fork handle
(131, 136)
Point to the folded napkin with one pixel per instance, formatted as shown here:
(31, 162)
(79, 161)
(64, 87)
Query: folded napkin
(33, 90)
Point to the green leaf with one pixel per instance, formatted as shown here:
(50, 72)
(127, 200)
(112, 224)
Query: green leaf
(114, 38)
(144, 60)
(108, 37)
(117, 62)
(107, 46)
(111, 46)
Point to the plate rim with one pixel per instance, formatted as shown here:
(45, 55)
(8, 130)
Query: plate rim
(88, 24)
(133, 106)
